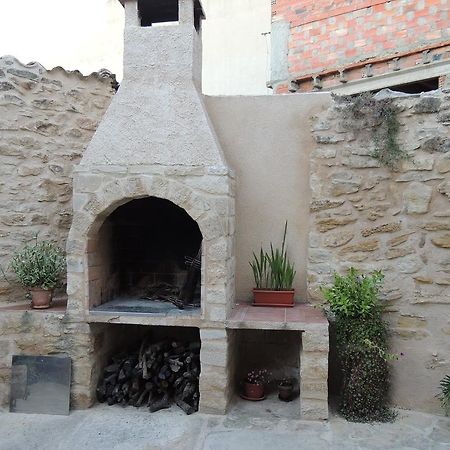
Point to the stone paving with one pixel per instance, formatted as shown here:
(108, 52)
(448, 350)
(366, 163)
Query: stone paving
(111, 428)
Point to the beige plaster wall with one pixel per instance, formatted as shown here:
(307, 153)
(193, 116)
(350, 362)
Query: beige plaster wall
(267, 142)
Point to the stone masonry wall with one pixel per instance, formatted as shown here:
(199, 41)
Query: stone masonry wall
(46, 333)
(370, 217)
(47, 118)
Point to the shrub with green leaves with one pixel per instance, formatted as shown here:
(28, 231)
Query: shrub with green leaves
(362, 345)
(273, 270)
(40, 264)
(444, 395)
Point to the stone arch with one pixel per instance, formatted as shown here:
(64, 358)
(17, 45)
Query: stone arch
(210, 212)
(118, 192)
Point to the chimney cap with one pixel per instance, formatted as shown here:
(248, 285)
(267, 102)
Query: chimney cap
(197, 5)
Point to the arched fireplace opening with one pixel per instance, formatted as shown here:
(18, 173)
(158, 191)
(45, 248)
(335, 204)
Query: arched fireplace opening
(148, 256)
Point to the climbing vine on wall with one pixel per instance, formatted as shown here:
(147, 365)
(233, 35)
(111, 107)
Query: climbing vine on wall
(364, 112)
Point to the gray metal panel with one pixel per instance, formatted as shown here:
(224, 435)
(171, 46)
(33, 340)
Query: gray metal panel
(279, 55)
(40, 384)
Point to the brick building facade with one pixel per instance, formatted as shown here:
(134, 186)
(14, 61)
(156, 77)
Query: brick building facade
(359, 45)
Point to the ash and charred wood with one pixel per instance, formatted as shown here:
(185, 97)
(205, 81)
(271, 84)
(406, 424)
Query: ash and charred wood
(162, 403)
(188, 409)
(192, 278)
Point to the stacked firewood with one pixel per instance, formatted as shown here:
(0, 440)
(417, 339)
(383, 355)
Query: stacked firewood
(157, 376)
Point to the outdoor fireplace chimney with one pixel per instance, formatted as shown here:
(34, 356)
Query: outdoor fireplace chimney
(155, 140)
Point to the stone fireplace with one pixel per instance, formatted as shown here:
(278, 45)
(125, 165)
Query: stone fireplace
(153, 198)
(153, 190)
(153, 195)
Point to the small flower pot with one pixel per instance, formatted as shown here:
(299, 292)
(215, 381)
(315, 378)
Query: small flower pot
(265, 297)
(253, 391)
(41, 298)
(286, 391)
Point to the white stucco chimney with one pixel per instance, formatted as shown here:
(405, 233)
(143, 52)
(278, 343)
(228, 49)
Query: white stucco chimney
(158, 115)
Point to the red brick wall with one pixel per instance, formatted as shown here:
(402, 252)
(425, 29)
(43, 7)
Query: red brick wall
(328, 34)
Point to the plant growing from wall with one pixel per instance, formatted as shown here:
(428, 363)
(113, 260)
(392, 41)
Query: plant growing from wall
(444, 395)
(363, 112)
(362, 345)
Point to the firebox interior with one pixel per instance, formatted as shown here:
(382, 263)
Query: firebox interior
(149, 252)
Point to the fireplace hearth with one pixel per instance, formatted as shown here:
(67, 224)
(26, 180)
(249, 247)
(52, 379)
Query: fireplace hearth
(150, 259)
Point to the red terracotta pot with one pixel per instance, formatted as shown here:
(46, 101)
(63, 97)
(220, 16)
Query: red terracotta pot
(40, 298)
(253, 391)
(265, 297)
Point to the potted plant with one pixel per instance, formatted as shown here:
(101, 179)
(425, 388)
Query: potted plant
(286, 389)
(274, 275)
(254, 384)
(38, 267)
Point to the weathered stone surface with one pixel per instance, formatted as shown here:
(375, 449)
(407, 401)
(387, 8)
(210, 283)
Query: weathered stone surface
(6, 86)
(385, 228)
(417, 198)
(320, 205)
(368, 245)
(330, 223)
(411, 321)
(399, 239)
(436, 226)
(398, 252)
(441, 241)
(423, 279)
(328, 139)
(325, 153)
(427, 105)
(344, 183)
(338, 239)
(443, 165)
(419, 162)
(444, 188)
(438, 144)
(418, 176)
(23, 74)
(408, 264)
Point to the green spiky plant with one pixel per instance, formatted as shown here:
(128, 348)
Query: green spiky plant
(273, 270)
(444, 395)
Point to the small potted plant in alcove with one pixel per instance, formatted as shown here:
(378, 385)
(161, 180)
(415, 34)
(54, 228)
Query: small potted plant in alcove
(38, 267)
(254, 384)
(274, 276)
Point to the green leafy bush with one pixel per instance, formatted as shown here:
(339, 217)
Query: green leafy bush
(361, 336)
(39, 264)
(444, 396)
(273, 270)
(354, 294)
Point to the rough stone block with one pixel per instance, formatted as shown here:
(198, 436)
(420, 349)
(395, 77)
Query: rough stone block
(316, 340)
(313, 409)
(417, 198)
(314, 365)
